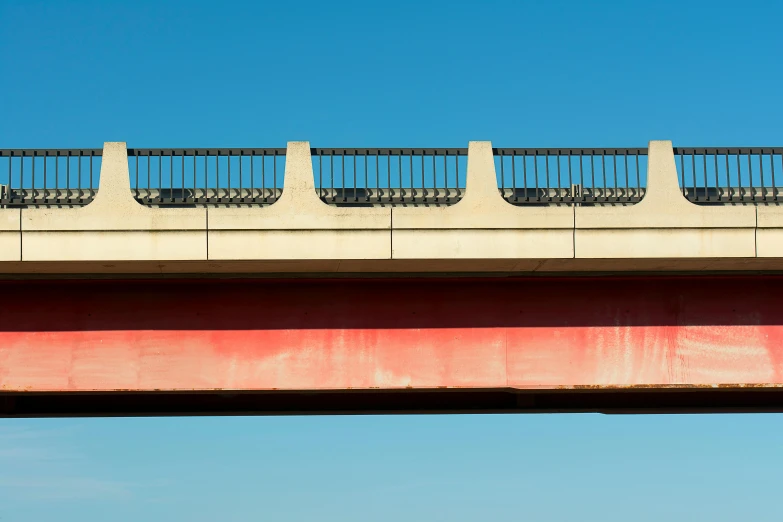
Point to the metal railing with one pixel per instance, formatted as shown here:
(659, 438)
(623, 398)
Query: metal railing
(410, 176)
(571, 176)
(201, 177)
(730, 175)
(48, 177)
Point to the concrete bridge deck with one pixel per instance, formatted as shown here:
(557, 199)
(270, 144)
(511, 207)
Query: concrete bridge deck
(481, 232)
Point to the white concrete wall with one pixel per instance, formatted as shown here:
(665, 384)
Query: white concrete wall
(482, 224)
(113, 226)
(10, 235)
(664, 224)
(480, 232)
(299, 225)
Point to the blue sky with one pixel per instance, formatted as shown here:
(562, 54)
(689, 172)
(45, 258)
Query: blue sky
(522, 74)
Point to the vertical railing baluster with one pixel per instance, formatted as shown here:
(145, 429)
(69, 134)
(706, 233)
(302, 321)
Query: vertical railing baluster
(728, 178)
(718, 194)
(535, 174)
(502, 174)
(750, 175)
(559, 181)
(774, 188)
(614, 175)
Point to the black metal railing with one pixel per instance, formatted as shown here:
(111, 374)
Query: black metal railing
(411, 176)
(201, 177)
(48, 177)
(571, 176)
(730, 175)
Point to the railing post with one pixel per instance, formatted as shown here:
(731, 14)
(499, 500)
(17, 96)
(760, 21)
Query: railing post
(298, 180)
(662, 181)
(481, 186)
(114, 188)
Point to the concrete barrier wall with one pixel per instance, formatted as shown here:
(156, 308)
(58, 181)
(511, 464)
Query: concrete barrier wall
(114, 228)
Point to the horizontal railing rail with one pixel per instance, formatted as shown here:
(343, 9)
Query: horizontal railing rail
(568, 176)
(730, 175)
(207, 176)
(390, 176)
(48, 177)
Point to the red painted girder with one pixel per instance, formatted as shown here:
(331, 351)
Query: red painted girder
(97, 335)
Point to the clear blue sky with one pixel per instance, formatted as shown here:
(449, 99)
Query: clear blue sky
(76, 74)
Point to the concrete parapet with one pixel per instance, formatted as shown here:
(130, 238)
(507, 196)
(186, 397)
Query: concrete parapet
(10, 235)
(482, 224)
(300, 233)
(114, 227)
(664, 224)
(299, 225)
(769, 234)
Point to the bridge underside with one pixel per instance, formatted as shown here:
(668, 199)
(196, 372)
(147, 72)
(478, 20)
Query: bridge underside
(387, 345)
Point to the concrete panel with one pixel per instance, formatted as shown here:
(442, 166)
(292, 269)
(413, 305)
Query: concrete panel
(490, 244)
(10, 246)
(665, 243)
(299, 207)
(769, 216)
(299, 226)
(299, 244)
(10, 235)
(114, 246)
(10, 219)
(664, 224)
(482, 224)
(769, 235)
(482, 207)
(121, 228)
(769, 242)
(663, 205)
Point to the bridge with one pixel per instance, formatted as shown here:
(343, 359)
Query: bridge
(306, 280)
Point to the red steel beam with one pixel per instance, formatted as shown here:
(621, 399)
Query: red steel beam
(366, 339)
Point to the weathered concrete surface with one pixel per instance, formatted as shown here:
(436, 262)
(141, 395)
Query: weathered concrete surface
(534, 333)
(10, 235)
(665, 243)
(299, 225)
(664, 223)
(301, 234)
(482, 224)
(114, 227)
(769, 234)
(115, 245)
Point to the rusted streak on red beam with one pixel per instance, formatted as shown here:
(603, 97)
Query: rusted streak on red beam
(367, 334)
